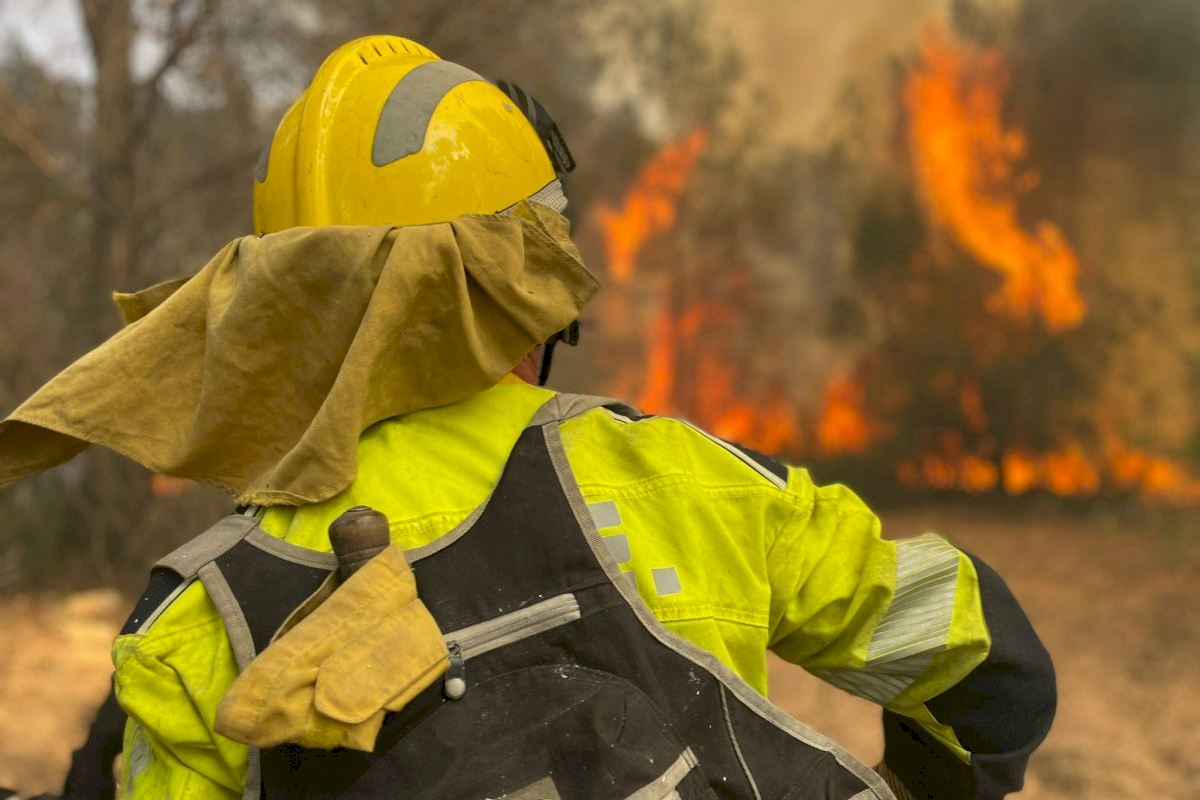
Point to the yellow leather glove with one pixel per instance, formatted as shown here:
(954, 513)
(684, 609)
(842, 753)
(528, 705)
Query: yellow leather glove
(327, 681)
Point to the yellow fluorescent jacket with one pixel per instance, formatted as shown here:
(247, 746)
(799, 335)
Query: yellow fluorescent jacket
(726, 555)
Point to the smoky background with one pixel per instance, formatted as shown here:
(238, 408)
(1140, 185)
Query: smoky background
(945, 251)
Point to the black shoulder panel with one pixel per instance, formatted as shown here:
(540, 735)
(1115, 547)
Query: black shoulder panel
(267, 587)
(628, 412)
(162, 582)
(776, 468)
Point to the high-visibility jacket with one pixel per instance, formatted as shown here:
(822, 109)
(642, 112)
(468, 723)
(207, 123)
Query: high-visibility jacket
(729, 550)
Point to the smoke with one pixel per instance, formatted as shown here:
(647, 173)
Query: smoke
(1110, 93)
(813, 58)
(1010, 290)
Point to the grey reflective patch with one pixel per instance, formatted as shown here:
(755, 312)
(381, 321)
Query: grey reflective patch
(666, 581)
(618, 545)
(631, 579)
(879, 683)
(404, 120)
(542, 790)
(260, 171)
(605, 514)
(139, 754)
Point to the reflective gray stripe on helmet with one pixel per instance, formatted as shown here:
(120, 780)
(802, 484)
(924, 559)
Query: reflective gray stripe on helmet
(405, 117)
(915, 626)
(264, 161)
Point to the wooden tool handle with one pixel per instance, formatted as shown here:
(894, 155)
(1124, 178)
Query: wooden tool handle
(357, 536)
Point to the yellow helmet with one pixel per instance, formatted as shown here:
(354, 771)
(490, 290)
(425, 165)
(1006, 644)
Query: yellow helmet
(387, 133)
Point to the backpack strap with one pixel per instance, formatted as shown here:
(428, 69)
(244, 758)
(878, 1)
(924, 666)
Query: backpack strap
(253, 579)
(562, 407)
(186, 560)
(175, 571)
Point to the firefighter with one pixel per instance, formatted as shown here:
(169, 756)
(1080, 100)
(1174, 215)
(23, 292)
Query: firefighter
(561, 558)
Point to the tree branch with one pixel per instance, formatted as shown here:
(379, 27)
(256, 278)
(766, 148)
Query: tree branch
(17, 132)
(92, 19)
(180, 36)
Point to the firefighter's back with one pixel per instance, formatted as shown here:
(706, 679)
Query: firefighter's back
(687, 522)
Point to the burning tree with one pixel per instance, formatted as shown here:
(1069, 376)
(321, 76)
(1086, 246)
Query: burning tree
(1013, 367)
(980, 365)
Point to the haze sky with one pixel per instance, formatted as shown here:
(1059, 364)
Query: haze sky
(49, 30)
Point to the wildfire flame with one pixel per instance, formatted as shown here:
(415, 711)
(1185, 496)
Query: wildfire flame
(966, 164)
(843, 427)
(719, 401)
(680, 375)
(1070, 470)
(650, 205)
(965, 161)
(168, 486)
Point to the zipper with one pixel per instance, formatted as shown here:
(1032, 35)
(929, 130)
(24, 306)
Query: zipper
(483, 637)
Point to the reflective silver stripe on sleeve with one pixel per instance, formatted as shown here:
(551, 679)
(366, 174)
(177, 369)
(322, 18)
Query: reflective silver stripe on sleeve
(915, 626)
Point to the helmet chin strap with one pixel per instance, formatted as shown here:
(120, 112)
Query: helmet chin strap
(569, 335)
(547, 357)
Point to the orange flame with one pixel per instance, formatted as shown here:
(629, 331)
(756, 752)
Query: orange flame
(843, 427)
(717, 400)
(712, 393)
(169, 486)
(965, 162)
(649, 207)
(1069, 470)
(1152, 477)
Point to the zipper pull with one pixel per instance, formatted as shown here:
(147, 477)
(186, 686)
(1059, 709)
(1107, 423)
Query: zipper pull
(455, 685)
